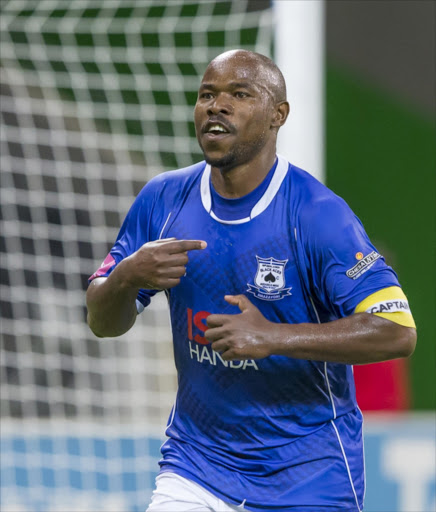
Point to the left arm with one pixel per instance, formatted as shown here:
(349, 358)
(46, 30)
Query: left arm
(357, 339)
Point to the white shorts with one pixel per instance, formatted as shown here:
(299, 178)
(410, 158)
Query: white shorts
(174, 493)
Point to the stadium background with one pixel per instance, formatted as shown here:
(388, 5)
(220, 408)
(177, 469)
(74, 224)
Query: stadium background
(96, 98)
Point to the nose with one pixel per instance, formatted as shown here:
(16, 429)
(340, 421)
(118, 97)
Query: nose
(220, 105)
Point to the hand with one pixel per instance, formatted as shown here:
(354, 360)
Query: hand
(243, 336)
(160, 264)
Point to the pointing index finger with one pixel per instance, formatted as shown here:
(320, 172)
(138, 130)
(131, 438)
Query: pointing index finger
(179, 246)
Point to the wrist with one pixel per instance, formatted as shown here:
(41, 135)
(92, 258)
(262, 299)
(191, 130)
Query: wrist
(275, 339)
(122, 278)
(281, 339)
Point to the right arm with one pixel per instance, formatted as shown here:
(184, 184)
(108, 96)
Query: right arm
(159, 265)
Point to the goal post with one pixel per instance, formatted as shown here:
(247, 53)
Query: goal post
(96, 98)
(299, 53)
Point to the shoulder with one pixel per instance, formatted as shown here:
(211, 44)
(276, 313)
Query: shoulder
(161, 195)
(176, 178)
(311, 193)
(319, 211)
(315, 199)
(169, 185)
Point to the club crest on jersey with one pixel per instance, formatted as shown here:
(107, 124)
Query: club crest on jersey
(269, 281)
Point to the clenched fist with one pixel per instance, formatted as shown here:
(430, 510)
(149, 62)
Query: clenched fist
(243, 336)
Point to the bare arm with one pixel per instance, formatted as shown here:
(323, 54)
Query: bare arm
(159, 265)
(111, 305)
(357, 339)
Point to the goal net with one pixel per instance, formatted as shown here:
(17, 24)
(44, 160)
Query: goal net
(96, 98)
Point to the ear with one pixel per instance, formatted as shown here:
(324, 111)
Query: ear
(281, 112)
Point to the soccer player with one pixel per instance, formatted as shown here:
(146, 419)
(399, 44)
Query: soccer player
(275, 291)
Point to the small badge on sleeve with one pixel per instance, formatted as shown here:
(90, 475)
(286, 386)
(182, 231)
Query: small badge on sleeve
(364, 264)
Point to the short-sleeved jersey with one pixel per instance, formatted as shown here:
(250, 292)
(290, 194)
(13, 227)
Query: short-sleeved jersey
(274, 433)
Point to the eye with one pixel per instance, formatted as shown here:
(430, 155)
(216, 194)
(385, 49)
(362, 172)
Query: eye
(206, 95)
(241, 94)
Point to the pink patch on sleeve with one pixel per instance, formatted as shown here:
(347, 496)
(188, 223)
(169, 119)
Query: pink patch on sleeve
(104, 267)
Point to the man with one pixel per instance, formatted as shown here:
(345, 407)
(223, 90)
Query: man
(274, 291)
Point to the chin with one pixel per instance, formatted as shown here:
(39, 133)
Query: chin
(236, 155)
(220, 159)
(220, 162)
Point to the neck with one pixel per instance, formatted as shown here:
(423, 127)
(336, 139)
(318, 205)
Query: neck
(240, 180)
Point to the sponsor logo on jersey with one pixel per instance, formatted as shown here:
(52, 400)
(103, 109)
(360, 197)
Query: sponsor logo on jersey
(204, 354)
(363, 265)
(269, 281)
(390, 306)
(200, 349)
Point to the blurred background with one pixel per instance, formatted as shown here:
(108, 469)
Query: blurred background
(97, 98)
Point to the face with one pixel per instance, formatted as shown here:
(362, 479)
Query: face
(233, 112)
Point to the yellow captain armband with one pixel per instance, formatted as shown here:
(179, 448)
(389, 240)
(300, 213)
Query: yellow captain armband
(389, 303)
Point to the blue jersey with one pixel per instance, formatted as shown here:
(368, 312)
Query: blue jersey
(276, 433)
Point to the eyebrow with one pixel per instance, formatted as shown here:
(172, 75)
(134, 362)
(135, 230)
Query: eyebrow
(241, 85)
(233, 85)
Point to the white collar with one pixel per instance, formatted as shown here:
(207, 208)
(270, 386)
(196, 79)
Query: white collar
(259, 207)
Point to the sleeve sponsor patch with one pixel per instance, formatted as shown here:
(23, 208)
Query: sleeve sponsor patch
(363, 265)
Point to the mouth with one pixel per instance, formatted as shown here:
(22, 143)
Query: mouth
(214, 130)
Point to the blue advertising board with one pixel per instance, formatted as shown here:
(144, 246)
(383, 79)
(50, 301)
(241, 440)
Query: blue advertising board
(400, 459)
(92, 469)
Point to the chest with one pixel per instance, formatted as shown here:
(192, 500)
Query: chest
(256, 258)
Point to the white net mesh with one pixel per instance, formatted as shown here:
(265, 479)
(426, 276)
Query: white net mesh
(96, 98)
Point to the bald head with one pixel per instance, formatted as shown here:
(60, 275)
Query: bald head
(262, 69)
(240, 107)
